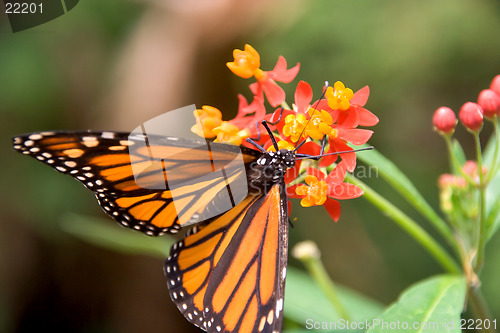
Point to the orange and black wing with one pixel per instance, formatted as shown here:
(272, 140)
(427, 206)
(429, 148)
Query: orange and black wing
(154, 184)
(229, 275)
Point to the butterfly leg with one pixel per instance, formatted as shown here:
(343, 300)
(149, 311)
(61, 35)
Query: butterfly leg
(323, 143)
(256, 145)
(279, 119)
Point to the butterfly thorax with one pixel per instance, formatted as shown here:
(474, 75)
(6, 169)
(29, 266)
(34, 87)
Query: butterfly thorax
(269, 169)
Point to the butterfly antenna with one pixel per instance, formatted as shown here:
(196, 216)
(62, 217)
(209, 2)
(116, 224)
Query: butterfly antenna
(298, 145)
(252, 140)
(302, 156)
(258, 133)
(273, 139)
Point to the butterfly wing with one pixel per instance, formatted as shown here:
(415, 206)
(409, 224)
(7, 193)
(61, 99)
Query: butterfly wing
(229, 275)
(154, 184)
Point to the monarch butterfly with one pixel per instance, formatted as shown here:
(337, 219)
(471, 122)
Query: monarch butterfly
(228, 273)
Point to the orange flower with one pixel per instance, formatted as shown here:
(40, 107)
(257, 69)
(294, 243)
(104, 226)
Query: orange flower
(207, 118)
(246, 63)
(229, 133)
(315, 191)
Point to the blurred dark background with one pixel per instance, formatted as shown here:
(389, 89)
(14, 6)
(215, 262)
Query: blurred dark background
(115, 64)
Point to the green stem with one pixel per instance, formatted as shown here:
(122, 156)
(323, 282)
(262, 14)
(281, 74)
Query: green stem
(482, 209)
(285, 105)
(457, 165)
(409, 225)
(479, 308)
(409, 192)
(318, 273)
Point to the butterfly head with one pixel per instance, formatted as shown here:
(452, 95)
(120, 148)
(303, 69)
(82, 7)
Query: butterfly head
(287, 157)
(274, 164)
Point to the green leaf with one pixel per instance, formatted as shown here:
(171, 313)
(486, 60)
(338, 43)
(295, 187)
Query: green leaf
(493, 190)
(489, 151)
(432, 305)
(105, 233)
(398, 180)
(457, 150)
(305, 301)
(493, 206)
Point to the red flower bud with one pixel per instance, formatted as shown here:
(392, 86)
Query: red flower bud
(495, 84)
(444, 120)
(471, 116)
(490, 102)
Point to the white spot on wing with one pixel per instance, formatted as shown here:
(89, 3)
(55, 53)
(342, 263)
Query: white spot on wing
(127, 142)
(279, 307)
(270, 317)
(35, 136)
(262, 323)
(116, 148)
(108, 135)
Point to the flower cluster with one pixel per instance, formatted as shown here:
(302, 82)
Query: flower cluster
(464, 193)
(330, 123)
(455, 188)
(471, 114)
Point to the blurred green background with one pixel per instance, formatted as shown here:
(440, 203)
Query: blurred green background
(115, 64)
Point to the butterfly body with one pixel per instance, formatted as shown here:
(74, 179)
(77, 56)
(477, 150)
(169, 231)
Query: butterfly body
(269, 169)
(228, 273)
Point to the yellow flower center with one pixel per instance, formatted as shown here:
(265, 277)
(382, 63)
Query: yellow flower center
(282, 144)
(320, 124)
(294, 126)
(339, 96)
(314, 192)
